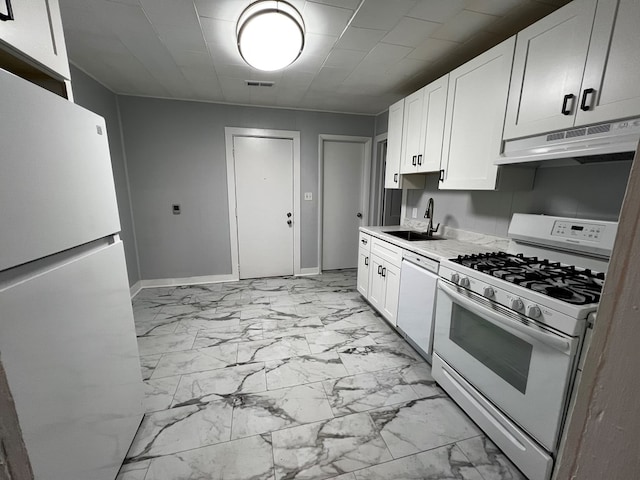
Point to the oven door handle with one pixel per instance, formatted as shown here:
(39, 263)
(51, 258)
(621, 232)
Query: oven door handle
(514, 326)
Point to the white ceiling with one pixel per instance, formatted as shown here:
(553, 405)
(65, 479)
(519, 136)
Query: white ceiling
(360, 55)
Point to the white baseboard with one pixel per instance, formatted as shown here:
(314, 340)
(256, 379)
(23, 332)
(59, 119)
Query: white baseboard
(308, 271)
(178, 282)
(135, 289)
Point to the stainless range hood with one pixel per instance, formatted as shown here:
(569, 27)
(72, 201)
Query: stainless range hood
(602, 142)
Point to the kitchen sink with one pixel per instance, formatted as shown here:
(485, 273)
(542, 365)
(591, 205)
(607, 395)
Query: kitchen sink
(411, 235)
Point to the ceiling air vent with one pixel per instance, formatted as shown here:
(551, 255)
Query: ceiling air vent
(259, 83)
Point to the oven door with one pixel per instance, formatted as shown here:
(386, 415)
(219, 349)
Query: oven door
(520, 366)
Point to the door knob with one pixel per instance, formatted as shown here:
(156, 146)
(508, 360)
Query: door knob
(359, 215)
(288, 214)
(289, 222)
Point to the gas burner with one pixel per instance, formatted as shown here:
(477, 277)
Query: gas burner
(563, 282)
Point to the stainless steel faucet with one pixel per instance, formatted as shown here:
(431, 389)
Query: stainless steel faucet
(429, 214)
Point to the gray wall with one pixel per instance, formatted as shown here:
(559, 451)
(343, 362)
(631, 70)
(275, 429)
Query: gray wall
(93, 96)
(593, 191)
(382, 122)
(176, 154)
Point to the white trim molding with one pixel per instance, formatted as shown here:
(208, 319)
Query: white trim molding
(365, 185)
(377, 173)
(180, 282)
(135, 289)
(230, 133)
(309, 271)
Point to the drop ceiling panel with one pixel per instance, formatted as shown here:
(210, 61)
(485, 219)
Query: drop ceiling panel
(432, 49)
(360, 55)
(381, 14)
(363, 39)
(179, 13)
(410, 32)
(218, 31)
(344, 58)
(463, 26)
(325, 19)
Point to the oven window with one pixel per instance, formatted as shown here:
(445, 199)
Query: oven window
(505, 354)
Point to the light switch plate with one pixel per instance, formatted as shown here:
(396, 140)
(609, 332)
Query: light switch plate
(414, 213)
(308, 195)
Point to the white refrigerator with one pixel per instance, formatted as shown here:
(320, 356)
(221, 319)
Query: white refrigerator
(67, 338)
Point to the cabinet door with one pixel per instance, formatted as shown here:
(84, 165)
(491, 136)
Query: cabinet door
(412, 135)
(376, 282)
(363, 272)
(394, 145)
(612, 71)
(548, 66)
(36, 32)
(391, 275)
(434, 108)
(476, 105)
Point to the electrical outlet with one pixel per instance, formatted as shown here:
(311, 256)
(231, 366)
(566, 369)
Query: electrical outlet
(414, 213)
(308, 195)
(175, 208)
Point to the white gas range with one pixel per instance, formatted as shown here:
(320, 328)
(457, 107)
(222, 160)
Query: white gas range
(510, 326)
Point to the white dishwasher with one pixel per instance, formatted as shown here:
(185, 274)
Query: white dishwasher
(416, 305)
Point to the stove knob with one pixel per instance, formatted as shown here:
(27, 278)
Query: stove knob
(488, 292)
(534, 311)
(464, 282)
(517, 304)
(455, 277)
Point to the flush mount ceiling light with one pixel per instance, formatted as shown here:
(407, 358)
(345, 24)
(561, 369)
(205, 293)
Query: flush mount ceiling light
(270, 34)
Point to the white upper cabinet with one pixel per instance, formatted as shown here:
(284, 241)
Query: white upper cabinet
(577, 66)
(395, 148)
(33, 30)
(394, 145)
(433, 118)
(412, 135)
(611, 84)
(424, 116)
(476, 103)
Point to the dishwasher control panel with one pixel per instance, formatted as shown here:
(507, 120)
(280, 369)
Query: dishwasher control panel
(421, 261)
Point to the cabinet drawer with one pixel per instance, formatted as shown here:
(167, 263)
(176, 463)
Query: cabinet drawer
(364, 242)
(386, 251)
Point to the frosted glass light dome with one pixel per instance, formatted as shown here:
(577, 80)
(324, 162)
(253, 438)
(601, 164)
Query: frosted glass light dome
(270, 34)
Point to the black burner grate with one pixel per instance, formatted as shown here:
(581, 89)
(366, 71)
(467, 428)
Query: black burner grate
(565, 282)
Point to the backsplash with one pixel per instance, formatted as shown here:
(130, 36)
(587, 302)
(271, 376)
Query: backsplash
(593, 191)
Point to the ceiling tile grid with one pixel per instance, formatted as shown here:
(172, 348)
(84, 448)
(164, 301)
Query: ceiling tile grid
(359, 56)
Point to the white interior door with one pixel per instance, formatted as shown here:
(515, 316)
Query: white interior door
(343, 200)
(264, 199)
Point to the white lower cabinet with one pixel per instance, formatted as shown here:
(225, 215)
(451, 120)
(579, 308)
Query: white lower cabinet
(391, 278)
(364, 262)
(382, 286)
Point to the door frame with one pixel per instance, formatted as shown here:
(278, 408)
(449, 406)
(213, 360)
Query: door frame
(229, 134)
(366, 180)
(377, 194)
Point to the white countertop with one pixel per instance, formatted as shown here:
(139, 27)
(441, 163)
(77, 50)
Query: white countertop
(444, 247)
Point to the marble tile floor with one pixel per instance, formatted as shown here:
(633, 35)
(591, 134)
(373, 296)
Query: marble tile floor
(292, 379)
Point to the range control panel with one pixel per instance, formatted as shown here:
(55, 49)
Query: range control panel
(578, 230)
